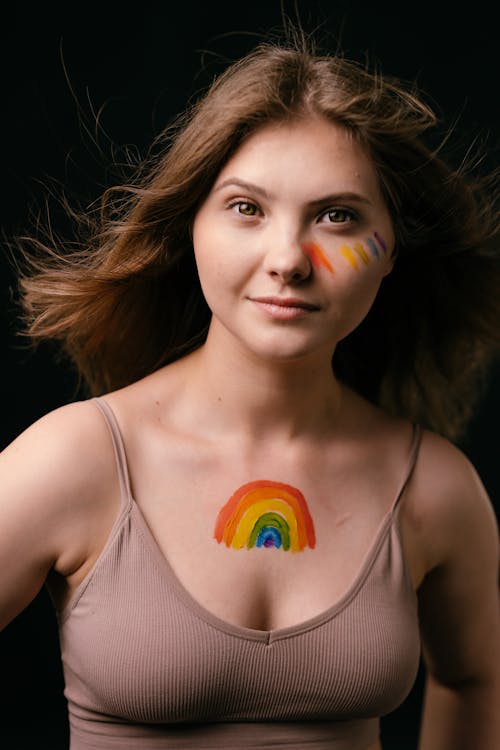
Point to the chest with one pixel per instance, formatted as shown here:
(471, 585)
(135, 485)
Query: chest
(137, 645)
(264, 544)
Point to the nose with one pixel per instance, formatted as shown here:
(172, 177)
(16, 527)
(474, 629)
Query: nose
(286, 260)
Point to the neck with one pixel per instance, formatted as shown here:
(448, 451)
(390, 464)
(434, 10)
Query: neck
(235, 390)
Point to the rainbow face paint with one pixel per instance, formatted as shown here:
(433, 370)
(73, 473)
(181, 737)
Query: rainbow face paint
(361, 253)
(266, 514)
(347, 253)
(365, 252)
(317, 256)
(380, 241)
(373, 247)
(358, 253)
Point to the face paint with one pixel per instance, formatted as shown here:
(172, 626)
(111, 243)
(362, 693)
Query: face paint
(380, 241)
(266, 514)
(358, 250)
(317, 256)
(350, 258)
(373, 247)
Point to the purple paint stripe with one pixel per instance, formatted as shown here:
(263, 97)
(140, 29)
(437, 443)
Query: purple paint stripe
(380, 241)
(372, 246)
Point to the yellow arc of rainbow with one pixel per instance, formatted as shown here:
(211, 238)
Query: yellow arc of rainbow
(238, 517)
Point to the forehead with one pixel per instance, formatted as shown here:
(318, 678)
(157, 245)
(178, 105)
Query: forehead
(310, 152)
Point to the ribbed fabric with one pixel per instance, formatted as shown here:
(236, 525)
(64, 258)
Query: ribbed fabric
(146, 666)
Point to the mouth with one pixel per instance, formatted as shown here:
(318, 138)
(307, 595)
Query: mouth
(292, 302)
(284, 308)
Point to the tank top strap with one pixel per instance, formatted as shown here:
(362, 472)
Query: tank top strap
(119, 450)
(414, 449)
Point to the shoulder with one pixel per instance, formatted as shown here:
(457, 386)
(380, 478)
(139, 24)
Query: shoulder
(458, 596)
(56, 475)
(448, 506)
(70, 437)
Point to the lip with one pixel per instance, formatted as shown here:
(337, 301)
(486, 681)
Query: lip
(284, 308)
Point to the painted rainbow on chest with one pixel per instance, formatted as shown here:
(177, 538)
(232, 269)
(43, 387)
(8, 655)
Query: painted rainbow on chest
(266, 514)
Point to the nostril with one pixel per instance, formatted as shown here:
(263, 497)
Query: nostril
(288, 261)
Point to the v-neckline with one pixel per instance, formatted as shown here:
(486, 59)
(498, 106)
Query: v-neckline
(256, 634)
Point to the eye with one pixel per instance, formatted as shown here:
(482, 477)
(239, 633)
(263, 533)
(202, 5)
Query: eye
(245, 208)
(338, 216)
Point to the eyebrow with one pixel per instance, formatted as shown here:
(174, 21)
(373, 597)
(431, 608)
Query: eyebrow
(242, 184)
(331, 198)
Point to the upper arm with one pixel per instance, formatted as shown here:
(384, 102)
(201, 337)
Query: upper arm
(51, 478)
(458, 599)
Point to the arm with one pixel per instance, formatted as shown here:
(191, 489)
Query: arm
(52, 514)
(460, 623)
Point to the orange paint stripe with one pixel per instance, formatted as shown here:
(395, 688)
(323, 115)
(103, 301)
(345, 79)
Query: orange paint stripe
(317, 256)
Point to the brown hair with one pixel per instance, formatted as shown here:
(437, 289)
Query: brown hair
(129, 300)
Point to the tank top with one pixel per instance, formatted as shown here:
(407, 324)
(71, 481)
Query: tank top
(147, 667)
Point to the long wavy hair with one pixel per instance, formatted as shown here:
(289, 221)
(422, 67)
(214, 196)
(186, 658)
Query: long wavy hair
(127, 300)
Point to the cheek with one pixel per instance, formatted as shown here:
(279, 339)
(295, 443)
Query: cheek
(370, 253)
(359, 265)
(353, 298)
(209, 250)
(367, 254)
(220, 266)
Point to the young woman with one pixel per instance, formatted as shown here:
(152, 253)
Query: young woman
(245, 544)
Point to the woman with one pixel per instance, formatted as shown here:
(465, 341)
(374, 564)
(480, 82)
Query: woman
(245, 545)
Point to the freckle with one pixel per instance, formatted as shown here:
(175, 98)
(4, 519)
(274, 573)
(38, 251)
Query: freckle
(360, 250)
(346, 252)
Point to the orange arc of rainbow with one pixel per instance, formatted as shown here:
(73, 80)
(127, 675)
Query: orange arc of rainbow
(317, 256)
(245, 496)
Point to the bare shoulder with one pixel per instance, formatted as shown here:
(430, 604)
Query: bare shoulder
(65, 452)
(57, 490)
(458, 595)
(448, 504)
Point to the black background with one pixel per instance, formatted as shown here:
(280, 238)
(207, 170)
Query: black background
(137, 66)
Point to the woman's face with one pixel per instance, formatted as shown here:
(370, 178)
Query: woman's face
(293, 241)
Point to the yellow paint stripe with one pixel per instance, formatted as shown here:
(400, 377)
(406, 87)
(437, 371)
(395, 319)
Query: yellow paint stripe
(360, 250)
(350, 258)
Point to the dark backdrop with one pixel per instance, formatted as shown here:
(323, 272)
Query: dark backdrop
(137, 66)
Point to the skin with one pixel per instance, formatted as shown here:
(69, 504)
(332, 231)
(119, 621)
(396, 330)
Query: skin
(249, 244)
(259, 400)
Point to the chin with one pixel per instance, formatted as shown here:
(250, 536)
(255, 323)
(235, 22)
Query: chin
(284, 352)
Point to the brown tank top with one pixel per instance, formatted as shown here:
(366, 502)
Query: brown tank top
(147, 667)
